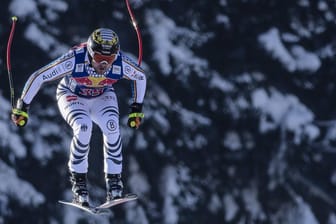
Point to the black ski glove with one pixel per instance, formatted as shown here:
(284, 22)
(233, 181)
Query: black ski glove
(20, 113)
(135, 116)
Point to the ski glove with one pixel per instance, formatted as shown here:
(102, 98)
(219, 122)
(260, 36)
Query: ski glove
(135, 116)
(20, 113)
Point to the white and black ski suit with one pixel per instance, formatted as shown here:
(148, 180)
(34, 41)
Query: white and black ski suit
(84, 97)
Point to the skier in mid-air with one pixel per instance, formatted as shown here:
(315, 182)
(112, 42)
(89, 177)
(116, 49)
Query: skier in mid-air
(84, 95)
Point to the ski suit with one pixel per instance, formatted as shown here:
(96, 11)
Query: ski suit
(83, 97)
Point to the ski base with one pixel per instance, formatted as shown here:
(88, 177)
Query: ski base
(117, 201)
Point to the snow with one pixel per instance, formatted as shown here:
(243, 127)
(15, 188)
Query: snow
(162, 42)
(137, 179)
(252, 204)
(191, 118)
(272, 43)
(223, 19)
(322, 6)
(304, 3)
(171, 46)
(161, 120)
(299, 212)
(169, 190)
(294, 59)
(164, 32)
(136, 215)
(11, 185)
(162, 96)
(24, 8)
(141, 142)
(48, 43)
(53, 8)
(286, 111)
(230, 207)
(218, 82)
(28, 9)
(232, 141)
(332, 219)
(305, 61)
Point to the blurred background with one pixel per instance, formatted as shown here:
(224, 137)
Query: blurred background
(239, 112)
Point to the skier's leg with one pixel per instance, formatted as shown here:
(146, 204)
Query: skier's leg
(106, 115)
(75, 113)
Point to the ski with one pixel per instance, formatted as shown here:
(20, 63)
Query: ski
(102, 209)
(89, 209)
(117, 201)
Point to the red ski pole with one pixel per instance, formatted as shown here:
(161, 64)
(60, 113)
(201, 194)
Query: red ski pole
(9, 44)
(137, 30)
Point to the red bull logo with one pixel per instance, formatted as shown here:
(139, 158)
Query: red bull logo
(107, 82)
(84, 81)
(94, 81)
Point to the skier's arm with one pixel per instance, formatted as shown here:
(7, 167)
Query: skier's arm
(53, 71)
(138, 83)
(138, 80)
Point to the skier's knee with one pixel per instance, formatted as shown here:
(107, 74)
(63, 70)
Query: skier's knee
(82, 129)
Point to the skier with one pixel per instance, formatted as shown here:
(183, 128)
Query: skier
(84, 95)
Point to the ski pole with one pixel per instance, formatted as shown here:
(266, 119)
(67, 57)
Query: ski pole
(9, 44)
(137, 30)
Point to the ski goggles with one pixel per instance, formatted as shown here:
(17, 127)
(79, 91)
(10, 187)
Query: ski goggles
(99, 58)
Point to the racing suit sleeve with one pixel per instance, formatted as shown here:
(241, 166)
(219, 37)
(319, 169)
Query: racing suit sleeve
(57, 69)
(134, 73)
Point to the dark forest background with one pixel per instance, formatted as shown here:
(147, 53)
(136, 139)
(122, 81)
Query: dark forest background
(239, 112)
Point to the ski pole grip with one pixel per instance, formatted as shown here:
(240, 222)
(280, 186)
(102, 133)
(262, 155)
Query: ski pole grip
(22, 123)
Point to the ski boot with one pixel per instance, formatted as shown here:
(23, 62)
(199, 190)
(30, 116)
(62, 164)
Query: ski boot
(79, 189)
(114, 186)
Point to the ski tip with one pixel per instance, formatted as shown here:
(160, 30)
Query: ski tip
(14, 18)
